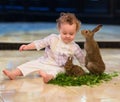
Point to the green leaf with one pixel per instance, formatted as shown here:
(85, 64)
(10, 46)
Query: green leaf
(88, 79)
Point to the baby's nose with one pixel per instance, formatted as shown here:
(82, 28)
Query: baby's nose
(68, 35)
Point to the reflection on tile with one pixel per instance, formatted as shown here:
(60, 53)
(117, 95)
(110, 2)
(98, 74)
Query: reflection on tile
(27, 32)
(32, 88)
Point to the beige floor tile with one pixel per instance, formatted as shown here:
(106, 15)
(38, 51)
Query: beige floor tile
(32, 88)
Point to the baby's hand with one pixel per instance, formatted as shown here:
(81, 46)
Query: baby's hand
(23, 47)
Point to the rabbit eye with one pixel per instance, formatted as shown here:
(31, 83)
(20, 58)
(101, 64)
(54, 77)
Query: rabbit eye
(86, 31)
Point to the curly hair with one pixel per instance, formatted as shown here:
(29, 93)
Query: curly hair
(69, 18)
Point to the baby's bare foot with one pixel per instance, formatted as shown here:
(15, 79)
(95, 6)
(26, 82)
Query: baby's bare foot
(46, 77)
(9, 74)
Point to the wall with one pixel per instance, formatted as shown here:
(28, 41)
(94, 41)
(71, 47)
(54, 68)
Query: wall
(89, 11)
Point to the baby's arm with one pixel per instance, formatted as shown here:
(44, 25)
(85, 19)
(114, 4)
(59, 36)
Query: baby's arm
(38, 44)
(27, 47)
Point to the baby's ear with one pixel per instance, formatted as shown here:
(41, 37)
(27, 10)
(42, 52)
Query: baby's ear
(97, 28)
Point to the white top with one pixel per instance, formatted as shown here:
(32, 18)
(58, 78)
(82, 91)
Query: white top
(57, 52)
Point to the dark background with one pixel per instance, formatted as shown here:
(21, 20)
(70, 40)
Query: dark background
(88, 11)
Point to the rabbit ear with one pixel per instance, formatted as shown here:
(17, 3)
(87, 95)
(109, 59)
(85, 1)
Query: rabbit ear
(70, 58)
(97, 28)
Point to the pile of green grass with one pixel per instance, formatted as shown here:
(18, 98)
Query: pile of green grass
(88, 79)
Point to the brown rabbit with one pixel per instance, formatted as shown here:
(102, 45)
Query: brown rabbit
(93, 59)
(73, 70)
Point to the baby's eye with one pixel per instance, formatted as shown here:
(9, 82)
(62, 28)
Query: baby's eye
(64, 33)
(71, 33)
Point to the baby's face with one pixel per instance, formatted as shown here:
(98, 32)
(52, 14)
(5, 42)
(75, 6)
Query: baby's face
(67, 32)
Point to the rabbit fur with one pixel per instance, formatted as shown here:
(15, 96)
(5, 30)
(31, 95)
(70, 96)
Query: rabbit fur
(93, 59)
(71, 69)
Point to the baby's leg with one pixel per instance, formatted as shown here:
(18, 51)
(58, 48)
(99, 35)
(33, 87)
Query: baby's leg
(12, 74)
(46, 77)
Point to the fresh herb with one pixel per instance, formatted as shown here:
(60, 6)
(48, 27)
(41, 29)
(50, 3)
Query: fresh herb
(87, 79)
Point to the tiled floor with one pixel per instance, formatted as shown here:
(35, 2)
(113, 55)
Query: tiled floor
(27, 32)
(32, 88)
